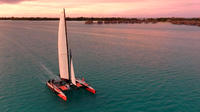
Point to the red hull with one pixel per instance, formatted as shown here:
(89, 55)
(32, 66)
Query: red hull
(91, 90)
(57, 88)
(57, 91)
(82, 83)
(63, 97)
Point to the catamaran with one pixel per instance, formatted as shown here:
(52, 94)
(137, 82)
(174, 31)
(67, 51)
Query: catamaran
(67, 79)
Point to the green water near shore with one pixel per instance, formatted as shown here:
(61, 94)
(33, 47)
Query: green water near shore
(134, 68)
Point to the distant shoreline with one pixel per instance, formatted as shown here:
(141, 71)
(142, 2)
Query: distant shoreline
(96, 19)
(115, 20)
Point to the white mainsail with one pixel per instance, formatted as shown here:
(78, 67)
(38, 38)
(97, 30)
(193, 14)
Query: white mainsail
(73, 79)
(63, 48)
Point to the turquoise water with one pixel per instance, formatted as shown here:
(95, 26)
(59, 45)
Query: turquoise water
(134, 68)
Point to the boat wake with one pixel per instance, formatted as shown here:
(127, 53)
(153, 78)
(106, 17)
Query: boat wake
(48, 74)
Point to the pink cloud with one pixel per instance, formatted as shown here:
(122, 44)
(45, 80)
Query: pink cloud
(12, 1)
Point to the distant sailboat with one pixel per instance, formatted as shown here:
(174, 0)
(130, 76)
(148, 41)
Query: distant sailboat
(66, 68)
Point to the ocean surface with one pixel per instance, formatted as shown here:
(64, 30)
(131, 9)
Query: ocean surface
(133, 67)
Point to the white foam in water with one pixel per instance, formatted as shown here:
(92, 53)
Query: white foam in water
(48, 74)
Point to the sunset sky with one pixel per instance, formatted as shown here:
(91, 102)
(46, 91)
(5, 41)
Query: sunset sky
(101, 8)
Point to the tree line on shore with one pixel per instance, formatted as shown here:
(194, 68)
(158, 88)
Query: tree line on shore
(115, 20)
(177, 21)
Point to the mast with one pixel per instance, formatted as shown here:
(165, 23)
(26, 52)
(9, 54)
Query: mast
(63, 53)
